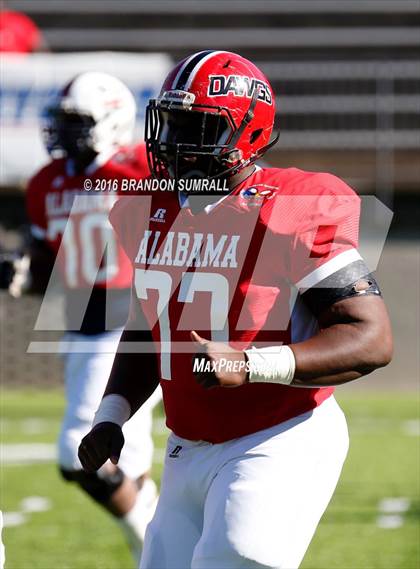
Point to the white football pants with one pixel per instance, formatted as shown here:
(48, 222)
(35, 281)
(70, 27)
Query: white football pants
(86, 375)
(252, 502)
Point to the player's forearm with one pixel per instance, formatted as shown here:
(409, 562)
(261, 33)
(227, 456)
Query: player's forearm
(134, 376)
(40, 268)
(340, 353)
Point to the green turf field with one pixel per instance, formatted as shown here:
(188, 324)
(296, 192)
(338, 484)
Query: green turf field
(359, 530)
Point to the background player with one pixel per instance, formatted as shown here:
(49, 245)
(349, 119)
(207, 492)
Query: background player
(249, 471)
(89, 128)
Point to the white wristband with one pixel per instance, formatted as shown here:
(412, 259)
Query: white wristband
(275, 364)
(113, 409)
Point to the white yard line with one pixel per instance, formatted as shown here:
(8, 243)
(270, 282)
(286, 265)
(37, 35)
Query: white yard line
(391, 512)
(35, 426)
(13, 519)
(394, 505)
(411, 427)
(32, 504)
(27, 453)
(389, 521)
(22, 454)
(28, 505)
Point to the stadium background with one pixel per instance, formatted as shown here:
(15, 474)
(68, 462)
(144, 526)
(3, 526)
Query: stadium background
(347, 77)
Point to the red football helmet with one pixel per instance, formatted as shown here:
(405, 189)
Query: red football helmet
(214, 115)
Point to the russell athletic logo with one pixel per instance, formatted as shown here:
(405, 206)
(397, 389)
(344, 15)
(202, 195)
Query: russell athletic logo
(240, 86)
(159, 215)
(175, 452)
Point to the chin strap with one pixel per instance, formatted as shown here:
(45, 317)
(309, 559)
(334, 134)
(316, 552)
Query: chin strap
(264, 149)
(249, 115)
(251, 159)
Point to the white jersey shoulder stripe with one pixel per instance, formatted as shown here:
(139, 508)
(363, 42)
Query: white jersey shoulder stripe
(328, 268)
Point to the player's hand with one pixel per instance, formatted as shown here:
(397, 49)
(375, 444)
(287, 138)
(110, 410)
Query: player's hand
(7, 270)
(228, 366)
(21, 281)
(105, 441)
(15, 273)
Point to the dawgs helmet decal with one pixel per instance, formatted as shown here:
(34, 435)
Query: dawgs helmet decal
(240, 86)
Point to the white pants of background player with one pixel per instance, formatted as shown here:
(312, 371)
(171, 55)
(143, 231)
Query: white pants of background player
(86, 375)
(252, 502)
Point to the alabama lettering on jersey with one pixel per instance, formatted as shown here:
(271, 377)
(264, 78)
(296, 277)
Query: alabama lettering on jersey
(233, 273)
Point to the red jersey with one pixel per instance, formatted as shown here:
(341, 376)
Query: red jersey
(74, 223)
(232, 273)
(58, 206)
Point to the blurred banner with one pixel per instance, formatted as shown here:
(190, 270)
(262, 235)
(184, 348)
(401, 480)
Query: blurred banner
(28, 83)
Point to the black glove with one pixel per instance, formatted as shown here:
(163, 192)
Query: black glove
(104, 441)
(7, 269)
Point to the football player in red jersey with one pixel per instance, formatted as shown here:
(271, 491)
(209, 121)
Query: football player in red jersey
(88, 131)
(263, 281)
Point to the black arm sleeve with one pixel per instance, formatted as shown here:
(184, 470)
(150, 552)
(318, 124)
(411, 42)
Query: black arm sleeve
(350, 281)
(135, 372)
(42, 261)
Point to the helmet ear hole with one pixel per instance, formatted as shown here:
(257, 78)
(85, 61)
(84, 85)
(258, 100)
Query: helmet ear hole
(255, 135)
